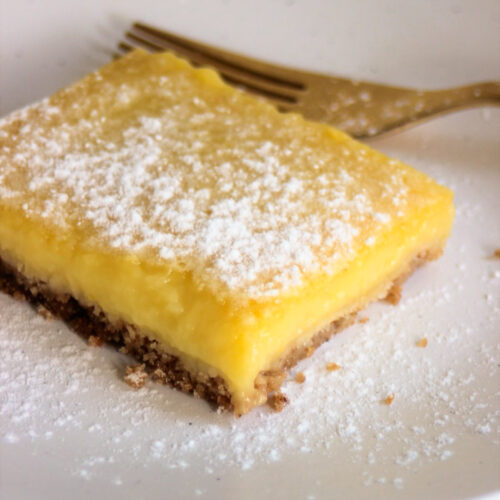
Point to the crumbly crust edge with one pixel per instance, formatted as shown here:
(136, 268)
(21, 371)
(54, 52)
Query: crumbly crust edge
(164, 367)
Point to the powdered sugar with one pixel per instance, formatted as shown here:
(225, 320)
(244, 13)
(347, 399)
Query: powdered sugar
(196, 176)
(55, 389)
(65, 411)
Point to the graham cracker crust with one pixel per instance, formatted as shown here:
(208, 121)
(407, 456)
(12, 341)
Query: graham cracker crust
(95, 326)
(164, 367)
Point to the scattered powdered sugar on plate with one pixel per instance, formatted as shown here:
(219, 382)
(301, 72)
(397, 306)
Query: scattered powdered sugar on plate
(65, 410)
(57, 393)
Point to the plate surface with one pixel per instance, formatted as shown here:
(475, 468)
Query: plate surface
(69, 426)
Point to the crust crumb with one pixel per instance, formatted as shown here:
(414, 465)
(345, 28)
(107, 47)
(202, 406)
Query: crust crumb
(44, 312)
(496, 253)
(19, 296)
(333, 367)
(135, 376)
(363, 319)
(159, 376)
(270, 380)
(95, 341)
(300, 378)
(389, 399)
(310, 351)
(394, 295)
(422, 342)
(277, 401)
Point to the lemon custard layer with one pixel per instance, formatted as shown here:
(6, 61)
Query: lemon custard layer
(190, 214)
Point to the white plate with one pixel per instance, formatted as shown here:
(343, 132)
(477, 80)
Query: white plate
(69, 427)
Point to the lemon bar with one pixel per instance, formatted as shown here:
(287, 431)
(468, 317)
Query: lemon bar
(197, 228)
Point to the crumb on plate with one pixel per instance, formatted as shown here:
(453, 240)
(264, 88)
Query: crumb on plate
(44, 312)
(394, 295)
(135, 376)
(95, 341)
(422, 342)
(277, 401)
(333, 367)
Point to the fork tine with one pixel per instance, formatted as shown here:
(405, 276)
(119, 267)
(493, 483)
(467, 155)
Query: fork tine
(283, 103)
(122, 49)
(269, 72)
(233, 76)
(125, 47)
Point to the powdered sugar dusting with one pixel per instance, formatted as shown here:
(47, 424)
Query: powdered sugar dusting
(172, 169)
(64, 405)
(55, 389)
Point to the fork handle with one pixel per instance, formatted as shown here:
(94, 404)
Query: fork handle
(437, 101)
(431, 103)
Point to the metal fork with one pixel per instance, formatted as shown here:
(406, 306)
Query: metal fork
(361, 109)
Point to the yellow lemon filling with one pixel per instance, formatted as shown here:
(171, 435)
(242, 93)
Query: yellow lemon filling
(226, 231)
(236, 342)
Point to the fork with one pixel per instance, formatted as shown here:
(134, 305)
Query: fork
(362, 109)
